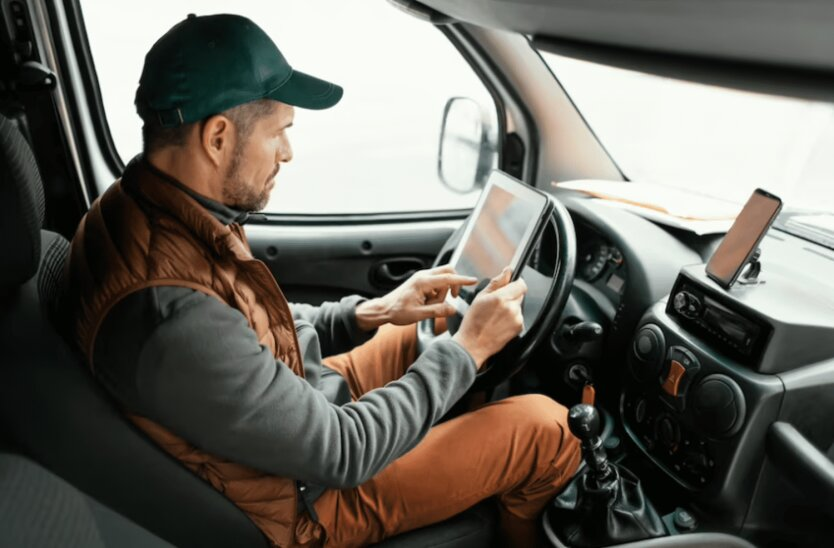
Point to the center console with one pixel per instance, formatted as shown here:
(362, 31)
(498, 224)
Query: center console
(685, 402)
(701, 387)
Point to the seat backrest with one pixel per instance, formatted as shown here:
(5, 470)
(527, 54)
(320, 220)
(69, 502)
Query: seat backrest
(54, 409)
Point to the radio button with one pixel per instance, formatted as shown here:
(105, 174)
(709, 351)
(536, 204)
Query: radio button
(687, 304)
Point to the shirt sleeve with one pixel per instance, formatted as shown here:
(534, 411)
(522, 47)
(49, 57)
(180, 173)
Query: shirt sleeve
(335, 323)
(202, 373)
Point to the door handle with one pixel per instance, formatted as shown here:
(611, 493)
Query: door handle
(393, 272)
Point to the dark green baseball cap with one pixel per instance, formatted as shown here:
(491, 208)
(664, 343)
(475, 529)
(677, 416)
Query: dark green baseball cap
(206, 65)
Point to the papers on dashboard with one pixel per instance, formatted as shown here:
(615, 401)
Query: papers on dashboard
(662, 204)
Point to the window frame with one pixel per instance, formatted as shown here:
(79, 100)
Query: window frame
(103, 139)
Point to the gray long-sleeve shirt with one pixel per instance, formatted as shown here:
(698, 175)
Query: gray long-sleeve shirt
(193, 364)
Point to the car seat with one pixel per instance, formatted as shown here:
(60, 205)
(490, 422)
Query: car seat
(37, 508)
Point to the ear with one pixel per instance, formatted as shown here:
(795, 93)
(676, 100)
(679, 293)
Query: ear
(217, 137)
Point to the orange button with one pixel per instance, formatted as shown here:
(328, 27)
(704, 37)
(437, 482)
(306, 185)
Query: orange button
(673, 380)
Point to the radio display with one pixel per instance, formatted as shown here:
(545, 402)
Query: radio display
(741, 335)
(741, 332)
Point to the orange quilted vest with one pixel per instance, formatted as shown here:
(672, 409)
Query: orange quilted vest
(145, 232)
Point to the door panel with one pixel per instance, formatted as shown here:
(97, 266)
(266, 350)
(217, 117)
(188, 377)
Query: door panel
(316, 263)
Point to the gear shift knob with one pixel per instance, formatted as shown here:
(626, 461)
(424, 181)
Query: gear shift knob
(584, 422)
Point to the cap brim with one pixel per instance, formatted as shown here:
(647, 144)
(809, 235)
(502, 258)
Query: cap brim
(305, 91)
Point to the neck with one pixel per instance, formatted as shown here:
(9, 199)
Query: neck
(178, 163)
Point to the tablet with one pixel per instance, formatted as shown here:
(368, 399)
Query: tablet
(500, 232)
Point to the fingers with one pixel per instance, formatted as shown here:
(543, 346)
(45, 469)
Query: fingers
(500, 280)
(435, 281)
(442, 269)
(439, 310)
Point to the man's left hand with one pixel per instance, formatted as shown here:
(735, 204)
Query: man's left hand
(420, 297)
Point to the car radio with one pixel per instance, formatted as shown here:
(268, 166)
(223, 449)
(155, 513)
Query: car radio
(739, 335)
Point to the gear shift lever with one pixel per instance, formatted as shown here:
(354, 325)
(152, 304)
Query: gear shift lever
(604, 504)
(584, 423)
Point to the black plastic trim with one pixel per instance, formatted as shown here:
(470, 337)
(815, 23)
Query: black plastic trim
(278, 219)
(759, 77)
(89, 80)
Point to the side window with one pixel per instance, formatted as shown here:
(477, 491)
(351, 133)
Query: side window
(374, 152)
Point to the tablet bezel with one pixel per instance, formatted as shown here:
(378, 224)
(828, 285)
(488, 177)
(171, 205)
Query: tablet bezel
(517, 188)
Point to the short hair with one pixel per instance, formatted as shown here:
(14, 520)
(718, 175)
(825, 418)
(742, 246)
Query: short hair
(156, 137)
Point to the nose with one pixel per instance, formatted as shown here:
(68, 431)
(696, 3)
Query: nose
(284, 151)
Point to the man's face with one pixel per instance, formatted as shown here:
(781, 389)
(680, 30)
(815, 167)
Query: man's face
(257, 159)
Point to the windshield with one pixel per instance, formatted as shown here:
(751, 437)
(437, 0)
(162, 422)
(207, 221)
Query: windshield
(708, 140)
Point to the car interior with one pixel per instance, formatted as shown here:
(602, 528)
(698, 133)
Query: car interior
(715, 404)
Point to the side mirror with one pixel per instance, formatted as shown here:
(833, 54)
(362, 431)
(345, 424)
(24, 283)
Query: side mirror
(468, 145)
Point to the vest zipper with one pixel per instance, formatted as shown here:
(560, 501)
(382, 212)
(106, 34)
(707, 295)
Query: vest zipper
(304, 494)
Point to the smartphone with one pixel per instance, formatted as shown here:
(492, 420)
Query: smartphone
(744, 237)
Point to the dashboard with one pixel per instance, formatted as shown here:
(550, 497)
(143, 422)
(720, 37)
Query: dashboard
(696, 374)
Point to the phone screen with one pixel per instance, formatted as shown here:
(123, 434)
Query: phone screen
(744, 236)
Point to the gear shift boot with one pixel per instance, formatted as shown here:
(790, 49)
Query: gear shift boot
(588, 515)
(604, 504)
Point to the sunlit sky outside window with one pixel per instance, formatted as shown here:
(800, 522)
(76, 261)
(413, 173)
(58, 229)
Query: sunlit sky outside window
(716, 141)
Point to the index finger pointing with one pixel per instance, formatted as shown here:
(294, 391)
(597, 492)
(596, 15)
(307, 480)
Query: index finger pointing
(445, 280)
(443, 269)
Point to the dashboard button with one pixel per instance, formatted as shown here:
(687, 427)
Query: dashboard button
(640, 411)
(673, 380)
(646, 343)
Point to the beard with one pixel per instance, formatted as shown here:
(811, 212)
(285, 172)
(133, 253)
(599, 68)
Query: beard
(238, 193)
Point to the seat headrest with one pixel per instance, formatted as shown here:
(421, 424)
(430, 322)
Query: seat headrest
(21, 207)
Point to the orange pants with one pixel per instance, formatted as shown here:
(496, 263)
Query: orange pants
(518, 449)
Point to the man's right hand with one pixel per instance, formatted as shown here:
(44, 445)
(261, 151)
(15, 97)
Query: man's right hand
(494, 318)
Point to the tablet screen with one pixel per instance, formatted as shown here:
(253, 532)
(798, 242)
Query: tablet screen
(498, 232)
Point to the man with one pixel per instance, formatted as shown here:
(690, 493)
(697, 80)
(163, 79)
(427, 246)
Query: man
(194, 338)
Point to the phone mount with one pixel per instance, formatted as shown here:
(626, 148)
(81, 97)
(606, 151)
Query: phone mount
(752, 269)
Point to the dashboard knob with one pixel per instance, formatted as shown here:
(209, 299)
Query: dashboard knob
(649, 348)
(668, 432)
(718, 405)
(687, 304)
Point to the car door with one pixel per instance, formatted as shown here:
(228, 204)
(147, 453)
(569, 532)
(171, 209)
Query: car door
(361, 206)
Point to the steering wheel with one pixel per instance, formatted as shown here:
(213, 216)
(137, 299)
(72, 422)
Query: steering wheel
(542, 306)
